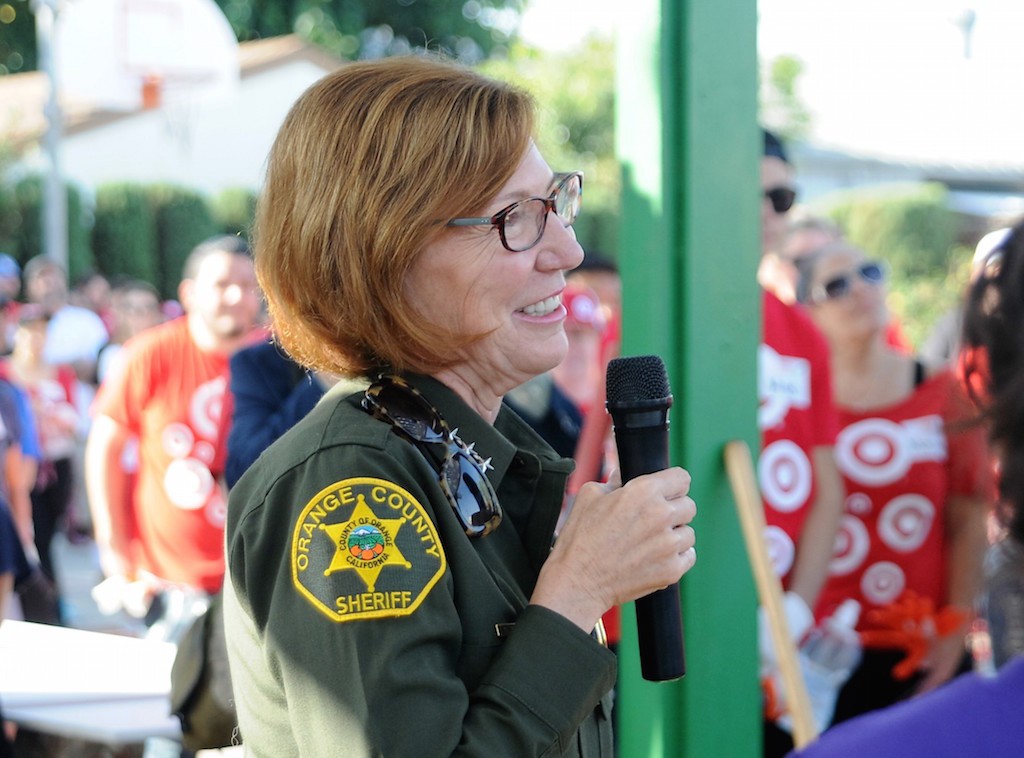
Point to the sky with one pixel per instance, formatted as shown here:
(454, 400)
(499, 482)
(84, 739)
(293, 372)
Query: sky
(881, 77)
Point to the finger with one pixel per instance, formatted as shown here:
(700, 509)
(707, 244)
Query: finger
(687, 538)
(685, 510)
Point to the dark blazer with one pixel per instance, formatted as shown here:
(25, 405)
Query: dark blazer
(271, 392)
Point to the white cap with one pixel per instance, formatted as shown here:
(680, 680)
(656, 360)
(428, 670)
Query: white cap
(987, 244)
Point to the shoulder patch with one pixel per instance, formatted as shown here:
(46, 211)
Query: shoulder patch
(365, 548)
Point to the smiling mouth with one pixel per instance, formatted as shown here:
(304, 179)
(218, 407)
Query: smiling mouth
(544, 307)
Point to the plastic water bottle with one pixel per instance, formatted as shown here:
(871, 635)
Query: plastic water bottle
(827, 657)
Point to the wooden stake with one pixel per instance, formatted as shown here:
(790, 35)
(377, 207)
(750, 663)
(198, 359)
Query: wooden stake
(740, 468)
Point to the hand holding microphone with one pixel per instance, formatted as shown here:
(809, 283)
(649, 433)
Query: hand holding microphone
(621, 543)
(638, 399)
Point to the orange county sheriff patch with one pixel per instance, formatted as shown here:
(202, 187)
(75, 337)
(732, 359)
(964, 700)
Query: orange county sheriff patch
(365, 548)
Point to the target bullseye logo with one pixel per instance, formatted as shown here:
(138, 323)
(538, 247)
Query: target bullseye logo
(781, 550)
(905, 522)
(188, 481)
(785, 476)
(883, 582)
(873, 451)
(851, 546)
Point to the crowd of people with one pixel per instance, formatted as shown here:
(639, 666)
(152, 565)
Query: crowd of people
(910, 513)
(331, 472)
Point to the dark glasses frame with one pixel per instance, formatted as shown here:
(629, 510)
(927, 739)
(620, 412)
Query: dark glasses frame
(462, 474)
(781, 198)
(567, 215)
(870, 272)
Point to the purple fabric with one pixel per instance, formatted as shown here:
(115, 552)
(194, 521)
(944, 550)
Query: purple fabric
(970, 716)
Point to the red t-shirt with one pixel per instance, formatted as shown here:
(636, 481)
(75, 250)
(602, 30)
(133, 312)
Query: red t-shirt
(900, 465)
(796, 415)
(171, 395)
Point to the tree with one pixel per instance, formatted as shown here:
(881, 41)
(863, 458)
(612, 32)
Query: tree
(17, 37)
(576, 128)
(470, 30)
(781, 107)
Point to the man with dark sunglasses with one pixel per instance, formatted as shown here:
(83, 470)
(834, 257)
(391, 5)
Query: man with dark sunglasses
(800, 484)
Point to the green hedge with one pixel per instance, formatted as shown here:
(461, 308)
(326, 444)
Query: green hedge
(146, 231)
(124, 233)
(183, 219)
(911, 226)
(21, 223)
(233, 210)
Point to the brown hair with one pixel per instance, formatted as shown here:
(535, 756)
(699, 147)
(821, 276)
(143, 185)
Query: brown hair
(368, 164)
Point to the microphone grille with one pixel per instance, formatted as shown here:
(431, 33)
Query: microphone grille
(636, 378)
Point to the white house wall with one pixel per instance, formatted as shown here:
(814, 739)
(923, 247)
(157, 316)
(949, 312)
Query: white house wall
(210, 147)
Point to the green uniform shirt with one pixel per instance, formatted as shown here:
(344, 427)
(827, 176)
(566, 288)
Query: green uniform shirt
(363, 621)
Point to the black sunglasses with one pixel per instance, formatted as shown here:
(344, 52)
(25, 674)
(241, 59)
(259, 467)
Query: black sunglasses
(871, 272)
(782, 198)
(522, 224)
(462, 475)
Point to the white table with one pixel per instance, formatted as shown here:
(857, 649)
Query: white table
(92, 686)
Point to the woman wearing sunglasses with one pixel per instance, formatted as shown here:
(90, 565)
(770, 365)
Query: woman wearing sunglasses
(912, 535)
(392, 586)
(975, 715)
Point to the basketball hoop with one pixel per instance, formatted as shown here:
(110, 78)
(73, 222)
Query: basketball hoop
(152, 88)
(141, 54)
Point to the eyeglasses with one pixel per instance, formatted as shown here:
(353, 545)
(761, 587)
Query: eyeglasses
(871, 272)
(782, 198)
(462, 474)
(522, 224)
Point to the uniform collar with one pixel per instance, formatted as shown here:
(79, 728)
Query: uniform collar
(499, 442)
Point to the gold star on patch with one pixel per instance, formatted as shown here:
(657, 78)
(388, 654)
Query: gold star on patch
(365, 544)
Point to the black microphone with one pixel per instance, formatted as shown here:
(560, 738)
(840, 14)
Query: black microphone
(638, 399)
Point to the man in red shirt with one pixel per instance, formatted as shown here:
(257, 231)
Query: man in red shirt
(800, 483)
(163, 527)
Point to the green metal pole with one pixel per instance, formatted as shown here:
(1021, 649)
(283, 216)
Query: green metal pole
(688, 142)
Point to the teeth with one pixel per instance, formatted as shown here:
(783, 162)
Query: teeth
(544, 307)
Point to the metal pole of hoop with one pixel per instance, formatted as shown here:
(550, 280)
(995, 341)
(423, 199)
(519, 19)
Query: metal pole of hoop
(55, 204)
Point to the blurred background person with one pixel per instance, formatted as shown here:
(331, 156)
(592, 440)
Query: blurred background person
(134, 307)
(92, 291)
(581, 372)
(160, 532)
(600, 274)
(804, 235)
(10, 547)
(10, 289)
(975, 714)
(913, 535)
(270, 392)
(56, 400)
(942, 345)
(800, 484)
(74, 334)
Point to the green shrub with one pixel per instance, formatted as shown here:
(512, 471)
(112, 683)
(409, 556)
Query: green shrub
(910, 226)
(10, 220)
(234, 209)
(80, 255)
(21, 223)
(183, 219)
(28, 197)
(124, 232)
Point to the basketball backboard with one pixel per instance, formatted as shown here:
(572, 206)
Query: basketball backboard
(129, 54)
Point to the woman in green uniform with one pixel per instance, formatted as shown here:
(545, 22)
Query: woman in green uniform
(393, 584)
